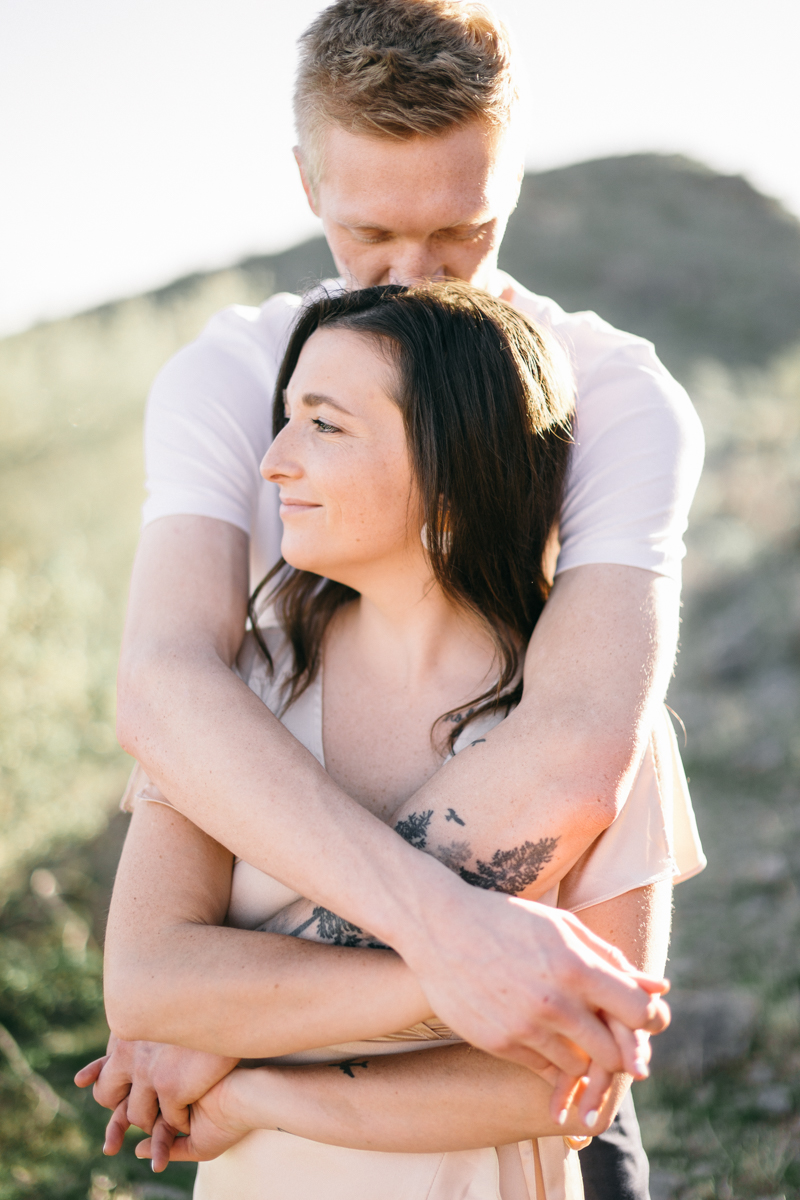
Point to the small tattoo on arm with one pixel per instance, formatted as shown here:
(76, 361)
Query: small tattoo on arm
(452, 815)
(477, 741)
(347, 1067)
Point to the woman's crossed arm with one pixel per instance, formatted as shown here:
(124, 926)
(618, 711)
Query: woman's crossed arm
(452, 1098)
(268, 995)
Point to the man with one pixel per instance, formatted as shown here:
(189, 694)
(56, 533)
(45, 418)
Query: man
(408, 152)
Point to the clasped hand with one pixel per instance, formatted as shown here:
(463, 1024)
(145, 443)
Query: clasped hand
(154, 1086)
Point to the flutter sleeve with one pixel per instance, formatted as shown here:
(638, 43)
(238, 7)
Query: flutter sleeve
(140, 787)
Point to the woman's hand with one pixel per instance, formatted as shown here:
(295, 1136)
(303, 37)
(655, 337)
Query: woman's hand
(216, 1123)
(140, 1079)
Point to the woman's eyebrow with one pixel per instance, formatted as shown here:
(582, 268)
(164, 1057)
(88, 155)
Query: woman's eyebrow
(314, 399)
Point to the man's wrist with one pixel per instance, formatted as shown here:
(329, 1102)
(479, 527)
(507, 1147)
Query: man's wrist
(417, 900)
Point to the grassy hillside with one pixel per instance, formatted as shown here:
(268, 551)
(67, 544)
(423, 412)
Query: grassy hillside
(700, 263)
(708, 268)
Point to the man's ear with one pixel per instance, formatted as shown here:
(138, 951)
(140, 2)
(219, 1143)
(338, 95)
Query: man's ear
(307, 188)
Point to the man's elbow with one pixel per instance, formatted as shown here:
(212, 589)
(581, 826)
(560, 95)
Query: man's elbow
(601, 786)
(594, 806)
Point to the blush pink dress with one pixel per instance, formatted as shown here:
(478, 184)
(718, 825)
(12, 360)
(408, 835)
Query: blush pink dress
(654, 838)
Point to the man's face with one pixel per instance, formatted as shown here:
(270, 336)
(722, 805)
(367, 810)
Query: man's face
(403, 211)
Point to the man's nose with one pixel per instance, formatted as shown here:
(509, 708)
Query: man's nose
(413, 263)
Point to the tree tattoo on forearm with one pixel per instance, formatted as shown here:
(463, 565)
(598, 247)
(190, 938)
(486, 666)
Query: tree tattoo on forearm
(510, 871)
(336, 931)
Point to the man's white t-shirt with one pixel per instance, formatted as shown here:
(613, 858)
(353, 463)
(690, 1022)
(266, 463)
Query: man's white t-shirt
(634, 468)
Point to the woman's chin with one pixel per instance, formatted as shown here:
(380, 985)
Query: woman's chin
(304, 558)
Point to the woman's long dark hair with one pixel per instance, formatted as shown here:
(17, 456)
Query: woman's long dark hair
(487, 401)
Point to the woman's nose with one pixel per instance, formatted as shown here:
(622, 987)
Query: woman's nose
(279, 463)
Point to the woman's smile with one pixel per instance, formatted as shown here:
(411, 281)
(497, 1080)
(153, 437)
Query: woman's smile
(292, 507)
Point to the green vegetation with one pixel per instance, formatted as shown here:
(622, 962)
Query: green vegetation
(721, 1117)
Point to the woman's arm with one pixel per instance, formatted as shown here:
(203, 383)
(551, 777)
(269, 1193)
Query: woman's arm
(453, 1098)
(174, 974)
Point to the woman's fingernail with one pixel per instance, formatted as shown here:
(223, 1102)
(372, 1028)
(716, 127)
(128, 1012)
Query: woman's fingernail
(640, 1067)
(590, 1120)
(562, 1117)
(153, 1165)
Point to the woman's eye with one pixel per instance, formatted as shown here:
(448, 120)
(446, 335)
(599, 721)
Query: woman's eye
(324, 426)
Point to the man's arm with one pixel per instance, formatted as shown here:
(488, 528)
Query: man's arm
(559, 768)
(509, 977)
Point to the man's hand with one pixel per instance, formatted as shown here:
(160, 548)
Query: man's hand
(524, 981)
(139, 1079)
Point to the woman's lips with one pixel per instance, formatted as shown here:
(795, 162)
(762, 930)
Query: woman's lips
(290, 507)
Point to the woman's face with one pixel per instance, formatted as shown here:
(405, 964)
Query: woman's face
(348, 501)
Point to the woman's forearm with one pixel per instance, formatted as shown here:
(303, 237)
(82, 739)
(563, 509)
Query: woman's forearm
(258, 995)
(174, 974)
(452, 1098)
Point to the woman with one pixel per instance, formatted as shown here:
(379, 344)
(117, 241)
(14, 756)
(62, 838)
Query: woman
(422, 440)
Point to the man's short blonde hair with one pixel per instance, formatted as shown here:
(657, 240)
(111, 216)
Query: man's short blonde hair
(396, 68)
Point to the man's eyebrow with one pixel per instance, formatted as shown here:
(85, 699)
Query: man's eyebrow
(314, 399)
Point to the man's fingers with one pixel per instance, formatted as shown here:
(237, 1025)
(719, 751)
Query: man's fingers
(652, 984)
(91, 1072)
(161, 1141)
(588, 1034)
(543, 1048)
(620, 996)
(658, 1016)
(528, 1057)
(634, 1046)
(116, 1129)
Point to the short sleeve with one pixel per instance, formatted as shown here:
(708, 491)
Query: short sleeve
(209, 416)
(638, 448)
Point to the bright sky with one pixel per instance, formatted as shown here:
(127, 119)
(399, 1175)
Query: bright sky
(143, 139)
